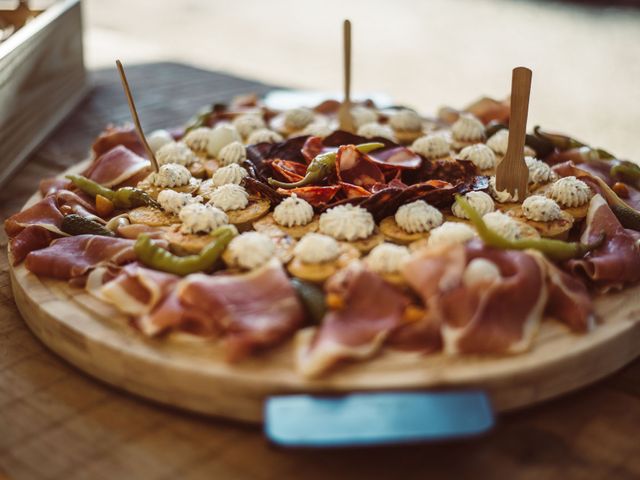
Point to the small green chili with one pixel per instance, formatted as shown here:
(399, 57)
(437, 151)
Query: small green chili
(159, 258)
(553, 249)
(125, 197)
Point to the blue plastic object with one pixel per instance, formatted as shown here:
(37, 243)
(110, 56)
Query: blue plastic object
(385, 418)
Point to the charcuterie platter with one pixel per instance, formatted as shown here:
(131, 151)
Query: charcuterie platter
(272, 252)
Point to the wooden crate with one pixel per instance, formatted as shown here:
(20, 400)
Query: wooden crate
(42, 78)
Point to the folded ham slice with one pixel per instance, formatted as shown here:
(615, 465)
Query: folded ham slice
(251, 311)
(124, 135)
(617, 261)
(132, 289)
(36, 226)
(118, 166)
(70, 257)
(357, 330)
(569, 300)
(492, 306)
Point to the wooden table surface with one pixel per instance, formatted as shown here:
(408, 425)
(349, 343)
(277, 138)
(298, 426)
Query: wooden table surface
(56, 422)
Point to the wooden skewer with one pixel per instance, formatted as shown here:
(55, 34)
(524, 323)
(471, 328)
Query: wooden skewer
(134, 115)
(512, 173)
(344, 114)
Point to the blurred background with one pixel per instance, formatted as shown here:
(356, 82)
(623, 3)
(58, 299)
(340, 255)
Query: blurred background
(585, 56)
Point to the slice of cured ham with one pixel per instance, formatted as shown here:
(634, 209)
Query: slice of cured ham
(124, 135)
(250, 311)
(617, 261)
(118, 166)
(132, 289)
(569, 300)
(70, 257)
(355, 331)
(494, 306)
(36, 226)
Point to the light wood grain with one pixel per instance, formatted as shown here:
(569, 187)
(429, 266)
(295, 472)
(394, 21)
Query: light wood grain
(512, 173)
(43, 57)
(345, 118)
(193, 375)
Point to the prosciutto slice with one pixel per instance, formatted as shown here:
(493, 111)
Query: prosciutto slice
(356, 331)
(132, 289)
(490, 314)
(250, 311)
(70, 257)
(36, 226)
(124, 135)
(118, 166)
(49, 186)
(617, 261)
(569, 300)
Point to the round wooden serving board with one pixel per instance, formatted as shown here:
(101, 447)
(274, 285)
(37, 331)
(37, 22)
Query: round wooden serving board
(191, 374)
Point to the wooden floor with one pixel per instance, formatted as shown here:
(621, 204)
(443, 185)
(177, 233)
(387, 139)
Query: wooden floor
(57, 423)
(586, 60)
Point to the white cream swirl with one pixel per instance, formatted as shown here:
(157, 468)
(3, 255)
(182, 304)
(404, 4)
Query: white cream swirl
(232, 173)
(251, 250)
(235, 152)
(198, 218)
(172, 201)
(248, 123)
(176, 152)
(503, 225)
(316, 248)
(499, 141)
(570, 192)
(222, 135)
(229, 197)
(479, 201)
(539, 172)
(347, 222)
(541, 209)
(431, 146)
(362, 115)
(501, 196)
(418, 216)
(467, 129)
(480, 155)
(450, 233)
(374, 129)
(387, 258)
(264, 135)
(298, 118)
(170, 175)
(158, 138)
(293, 211)
(198, 139)
(317, 129)
(406, 120)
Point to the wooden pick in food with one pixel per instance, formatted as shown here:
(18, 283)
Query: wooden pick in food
(134, 115)
(344, 114)
(512, 173)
